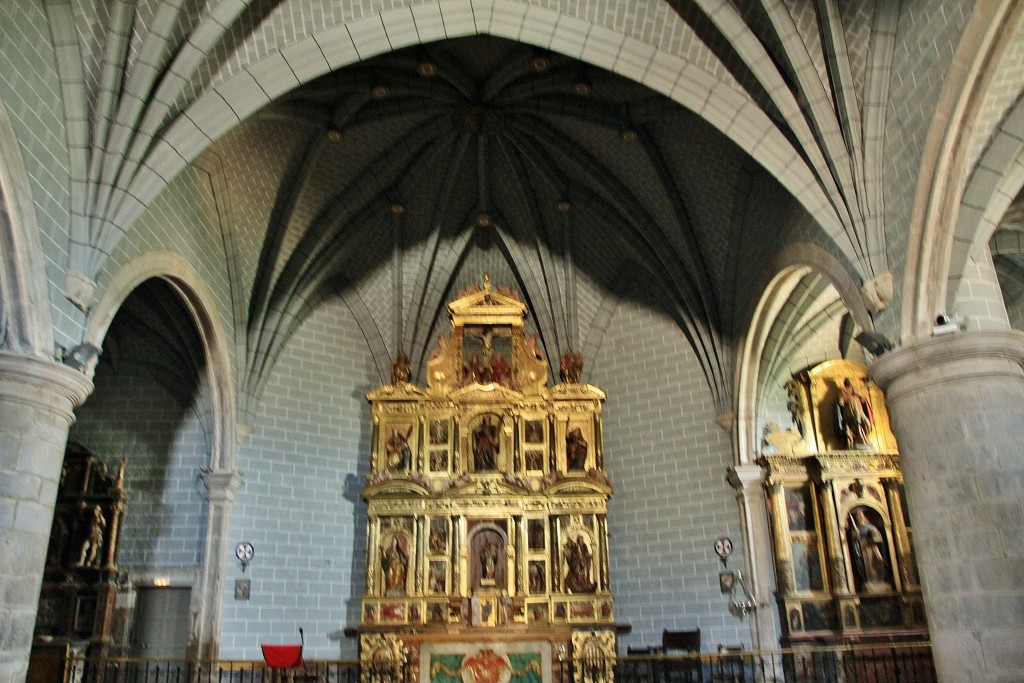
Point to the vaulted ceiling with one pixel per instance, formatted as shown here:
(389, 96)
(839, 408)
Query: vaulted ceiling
(395, 180)
(478, 155)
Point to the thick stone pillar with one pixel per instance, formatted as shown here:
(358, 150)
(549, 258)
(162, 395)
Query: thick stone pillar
(36, 403)
(957, 409)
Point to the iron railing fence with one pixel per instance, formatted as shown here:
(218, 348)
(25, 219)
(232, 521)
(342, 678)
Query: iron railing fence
(902, 663)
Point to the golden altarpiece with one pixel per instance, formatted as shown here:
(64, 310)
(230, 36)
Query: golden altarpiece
(842, 540)
(487, 538)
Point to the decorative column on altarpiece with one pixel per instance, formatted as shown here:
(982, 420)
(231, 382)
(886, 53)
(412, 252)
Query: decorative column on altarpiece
(904, 552)
(37, 400)
(785, 577)
(957, 406)
(205, 642)
(833, 539)
(748, 482)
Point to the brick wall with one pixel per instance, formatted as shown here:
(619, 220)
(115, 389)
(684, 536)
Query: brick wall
(165, 444)
(667, 460)
(304, 466)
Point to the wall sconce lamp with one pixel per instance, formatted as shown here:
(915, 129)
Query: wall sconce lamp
(741, 601)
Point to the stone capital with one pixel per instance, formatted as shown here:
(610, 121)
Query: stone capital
(746, 479)
(42, 384)
(222, 485)
(955, 358)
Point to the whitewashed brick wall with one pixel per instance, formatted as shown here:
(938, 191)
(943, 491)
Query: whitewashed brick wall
(165, 518)
(304, 466)
(667, 460)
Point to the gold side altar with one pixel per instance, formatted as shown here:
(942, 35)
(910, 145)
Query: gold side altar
(842, 538)
(487, 541)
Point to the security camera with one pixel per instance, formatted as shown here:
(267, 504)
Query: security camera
(945, 325)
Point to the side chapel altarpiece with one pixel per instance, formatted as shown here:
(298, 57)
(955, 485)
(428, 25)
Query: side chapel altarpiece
(842, 540)
(487, 499)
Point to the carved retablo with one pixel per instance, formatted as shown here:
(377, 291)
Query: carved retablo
(487, 497)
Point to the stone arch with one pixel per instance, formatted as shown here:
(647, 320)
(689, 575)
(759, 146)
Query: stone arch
(25, 319)
(935, 221)
(787, 268)
(220, 476)
(992, 187)
(727, 108)
(186, 281)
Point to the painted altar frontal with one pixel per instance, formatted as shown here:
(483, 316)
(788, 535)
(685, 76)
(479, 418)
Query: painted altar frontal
(487, 538)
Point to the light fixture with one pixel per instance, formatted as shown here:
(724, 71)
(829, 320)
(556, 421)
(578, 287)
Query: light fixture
(244, 551)
(426, 69)
(743, 604)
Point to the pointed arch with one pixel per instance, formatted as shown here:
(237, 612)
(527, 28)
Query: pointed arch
(786, 269)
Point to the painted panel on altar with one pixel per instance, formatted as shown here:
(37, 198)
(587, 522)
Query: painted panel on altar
(485, 662)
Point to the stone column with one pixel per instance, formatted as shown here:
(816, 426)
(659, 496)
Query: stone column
(957, 409)
(204, 642)
(748, 481)
(36, 402)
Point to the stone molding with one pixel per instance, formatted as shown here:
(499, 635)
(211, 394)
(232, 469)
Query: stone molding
(43, 384)
(955, 358)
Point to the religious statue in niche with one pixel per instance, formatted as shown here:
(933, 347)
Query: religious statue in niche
(89, 555)
(438, 541)
(533, 431)
(536, 577)
(578, 560)
(486, 444)
(438, 432)
(854, 416)
(868, 552)
(488, 559)
(394, 564)
(397, 448)
(575, 450)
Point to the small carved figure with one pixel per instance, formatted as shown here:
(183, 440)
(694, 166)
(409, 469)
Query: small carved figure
(575, 450)
(489, 560)
(89, 554)
(536, 578)
(578, 560)
(398, 450)
(485, 445)
(854, 415)
(570, 367)
(400, 369)
(394, 565)
(796, 403)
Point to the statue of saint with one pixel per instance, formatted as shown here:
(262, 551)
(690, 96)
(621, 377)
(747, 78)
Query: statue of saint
(89, 555)
(399, 452)
(575, 450)
(486, 442)
(867, 554)
(578, 559)
(854, 416)
(394, 564)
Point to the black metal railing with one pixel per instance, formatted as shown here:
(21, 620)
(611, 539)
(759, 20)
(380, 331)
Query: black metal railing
(903, 663)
